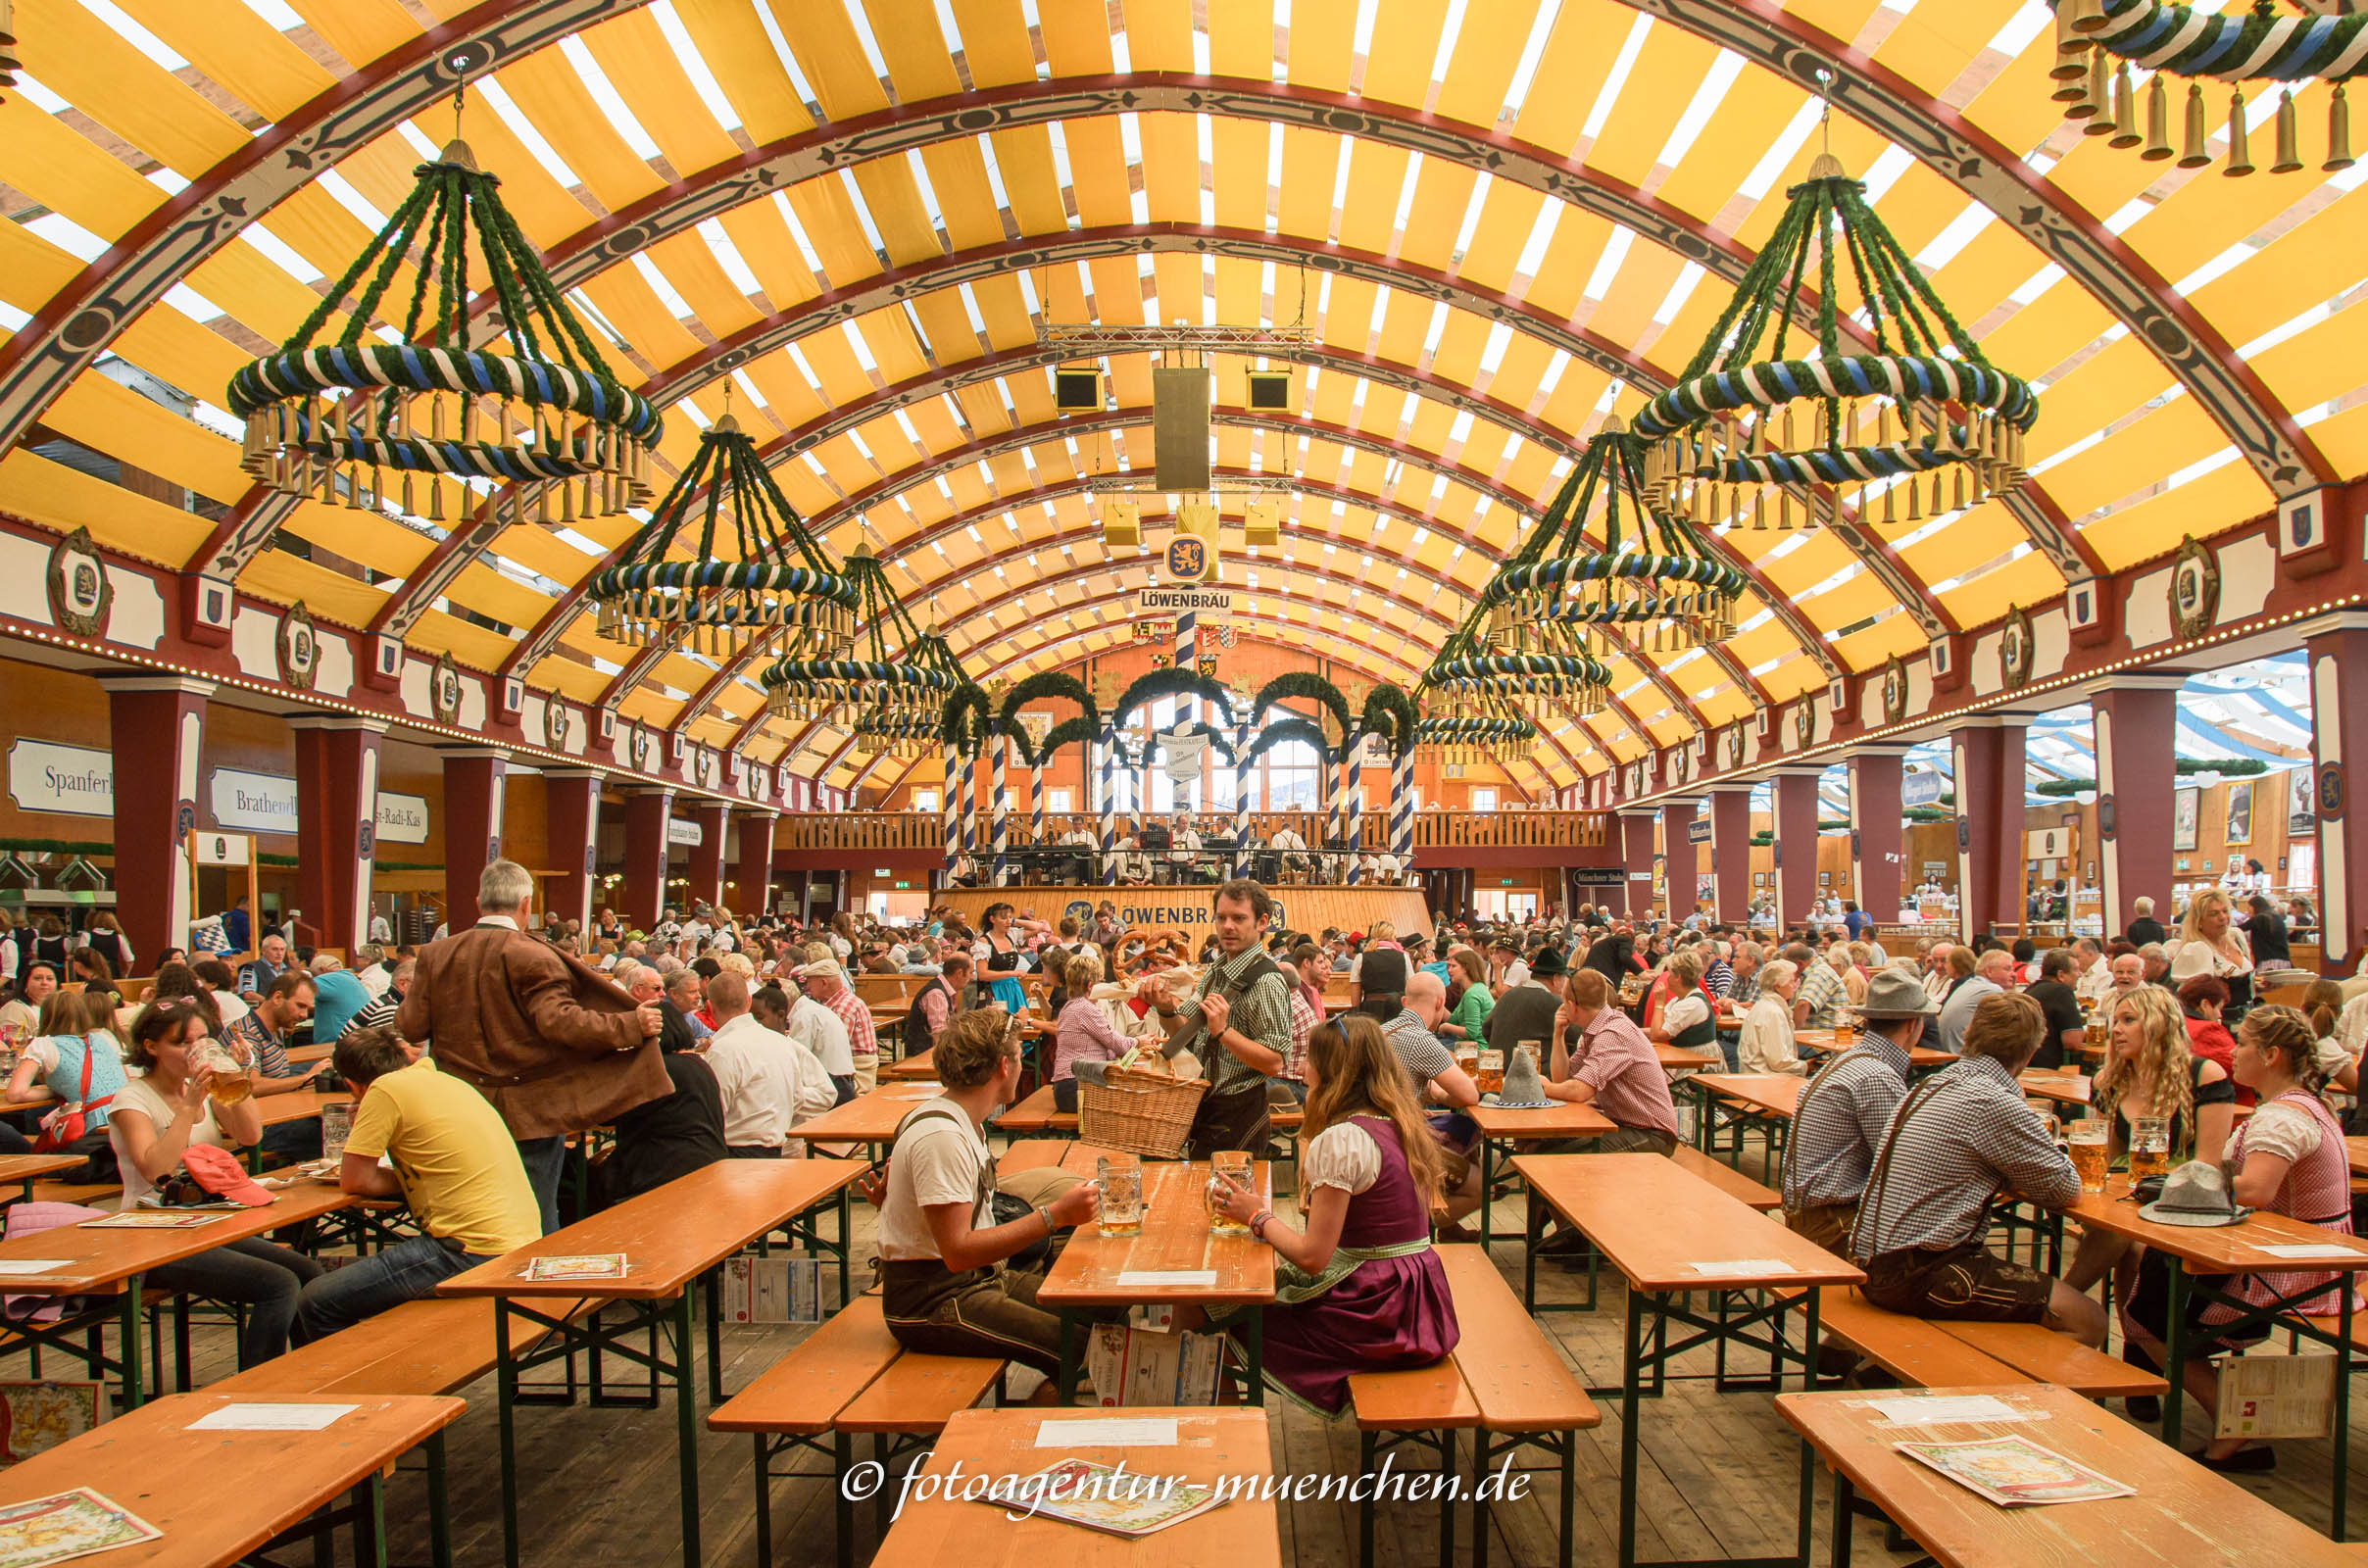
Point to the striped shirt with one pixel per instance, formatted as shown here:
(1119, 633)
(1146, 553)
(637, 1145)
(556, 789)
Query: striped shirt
(1960, 1138)
(862, 1040)
(1839, 1123)
(1720, 978)
(1612, 1056)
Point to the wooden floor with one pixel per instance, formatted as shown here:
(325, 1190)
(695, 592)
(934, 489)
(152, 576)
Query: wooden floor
(1720, 1477)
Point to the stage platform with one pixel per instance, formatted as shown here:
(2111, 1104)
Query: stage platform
(1309, 908)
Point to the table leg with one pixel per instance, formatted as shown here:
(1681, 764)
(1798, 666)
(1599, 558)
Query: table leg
(2342, 1409)
(846, 1245)
(2174, 1348)
(439, 1506)
(711, 1290)
(1255, 1336)
(1808, 1457)
(131, 1318)
(1532, 1222)
(686, 1427)
(1845, 1504)
(842, 1459)
(505, 1424)
(1630, 1394)
(1068, 1361)
(370, 1523)
(1487, 1183)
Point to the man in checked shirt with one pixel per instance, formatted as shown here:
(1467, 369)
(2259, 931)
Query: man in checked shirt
(1843, 1113)
(1960, 1138)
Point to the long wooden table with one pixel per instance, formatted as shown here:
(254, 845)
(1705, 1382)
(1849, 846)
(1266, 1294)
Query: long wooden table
(2195, 1254)
(672, 1237)
(1513, 1125)
(1670, 1233)
(935, 1530)
(1738, 1102)
(1093, 1270)
(2181, 1515)
(870, 1119)
(106, 1261)
(2064, 1088)
(219, 1498)
(2357, 1150)
(23, 1170)
(1920, 1059)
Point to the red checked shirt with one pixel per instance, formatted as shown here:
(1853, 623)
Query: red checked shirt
(862, 1040)
(1613, 1054)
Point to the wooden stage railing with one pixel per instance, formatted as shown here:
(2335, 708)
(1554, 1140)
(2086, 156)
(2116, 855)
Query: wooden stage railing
(1478, 830)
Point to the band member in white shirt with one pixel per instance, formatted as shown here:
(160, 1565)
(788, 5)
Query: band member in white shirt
(1183, 848)
(1134, 866)
(1293, 849)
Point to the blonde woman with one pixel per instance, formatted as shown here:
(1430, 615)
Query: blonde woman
(2149, 1070)
(2209, 942)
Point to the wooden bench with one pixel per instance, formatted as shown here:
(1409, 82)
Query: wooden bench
(1504, 1381)
(849, 1377)
(440, 1345)
(1035, 1153)
(1937, 1354)
(1727, 1179)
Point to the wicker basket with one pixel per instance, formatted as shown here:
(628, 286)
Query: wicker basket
(1139, 1110)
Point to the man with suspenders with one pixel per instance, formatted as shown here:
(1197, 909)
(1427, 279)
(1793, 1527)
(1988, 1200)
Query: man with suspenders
(1844, 1112)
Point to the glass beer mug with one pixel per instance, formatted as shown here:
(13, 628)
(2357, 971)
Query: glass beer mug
(1121, 1177)
(1226, 1165)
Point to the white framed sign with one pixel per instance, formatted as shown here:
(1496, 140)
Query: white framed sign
(402, 818)
(683, 830)
(254, 803)
(222, 849)
(68, 780)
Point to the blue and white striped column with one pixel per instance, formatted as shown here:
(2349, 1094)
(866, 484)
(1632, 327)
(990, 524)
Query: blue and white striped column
(999, 806)
(1401, 813)
(1339, 805)
(1105, 805)
(1352, 773)
(1188, 651)
(953, 814)
(1036, 806)
(969, 794)
(1240, 793)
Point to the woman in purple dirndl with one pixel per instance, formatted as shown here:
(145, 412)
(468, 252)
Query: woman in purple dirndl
(1359, 1289)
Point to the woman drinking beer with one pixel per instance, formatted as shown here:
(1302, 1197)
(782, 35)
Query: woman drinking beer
(154, 1121)
(2149, 1072)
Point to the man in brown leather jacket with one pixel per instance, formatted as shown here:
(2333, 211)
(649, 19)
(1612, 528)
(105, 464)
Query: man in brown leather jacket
(554, 1044)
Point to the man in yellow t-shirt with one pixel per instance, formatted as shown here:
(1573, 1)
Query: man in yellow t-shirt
(454, 1165)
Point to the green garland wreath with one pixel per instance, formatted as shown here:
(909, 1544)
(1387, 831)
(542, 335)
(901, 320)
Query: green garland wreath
(2257, 46)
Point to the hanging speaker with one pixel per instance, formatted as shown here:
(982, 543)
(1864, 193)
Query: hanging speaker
(1076, 390)
(1263, 523)
(1121, 524)
(1271, 391)
(1179, 426)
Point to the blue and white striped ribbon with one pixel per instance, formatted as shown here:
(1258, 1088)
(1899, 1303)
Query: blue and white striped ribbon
(971, 807)
(1339, 804)
(1188, 711)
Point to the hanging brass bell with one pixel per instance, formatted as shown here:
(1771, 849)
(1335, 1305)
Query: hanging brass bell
(2125, 109)
(2240, 148)
(2290, 140)
(2339, 133)
(2197, 151)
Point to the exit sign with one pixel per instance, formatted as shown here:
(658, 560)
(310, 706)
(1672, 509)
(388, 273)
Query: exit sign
(904, 884)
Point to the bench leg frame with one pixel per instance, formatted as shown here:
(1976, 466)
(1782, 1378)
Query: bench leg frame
(1660, 1307)
(1371, 1445)
(1488, 1446)
(673, 1348)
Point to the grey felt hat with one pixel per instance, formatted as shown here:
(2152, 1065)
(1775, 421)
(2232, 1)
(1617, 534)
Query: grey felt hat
(1522, 1090)
(2195, 1193)
(1895, 993)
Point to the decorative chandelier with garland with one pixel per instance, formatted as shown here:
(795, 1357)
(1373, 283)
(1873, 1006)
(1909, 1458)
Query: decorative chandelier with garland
(1496, 733)
(896, 676)
(2100, 44)
(1530, 671)
(752, 565)
(539, 410)
(1653, 576)
(1763, 430)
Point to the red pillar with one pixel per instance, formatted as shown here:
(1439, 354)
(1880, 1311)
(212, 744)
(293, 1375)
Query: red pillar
(473, 827)
(1878, 844)
(715, 819)
(2137, 720)
(753, 870)
(2336, 649)
(336, 823)
(155, 725)
(571, 812)
(1989, 824)
(1794, 833)
(1679, 861)
(646, 812)
(1730, 850)
(1636, 843)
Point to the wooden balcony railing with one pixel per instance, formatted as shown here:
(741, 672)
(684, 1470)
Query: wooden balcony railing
(1493, 830)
